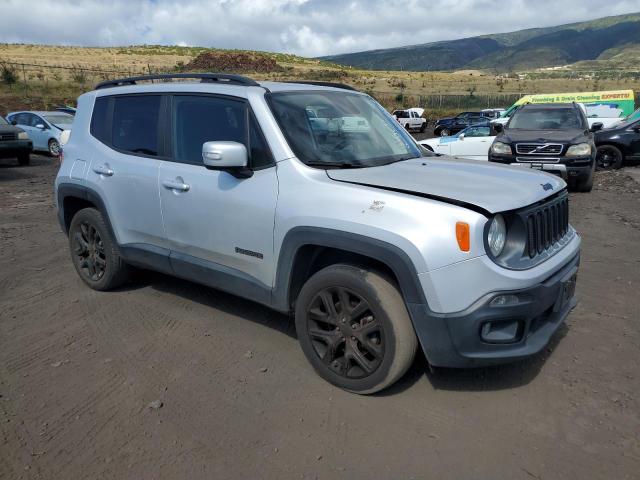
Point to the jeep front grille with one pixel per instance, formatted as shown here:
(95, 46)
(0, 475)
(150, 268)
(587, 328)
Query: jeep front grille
(546, 225)
(539, 148)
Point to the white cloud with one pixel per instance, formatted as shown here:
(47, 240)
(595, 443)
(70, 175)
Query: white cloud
(305, 27)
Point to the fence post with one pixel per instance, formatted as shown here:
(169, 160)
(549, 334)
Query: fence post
(24, 76)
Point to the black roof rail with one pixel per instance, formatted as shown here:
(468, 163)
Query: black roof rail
(326, 84)
(204, 78)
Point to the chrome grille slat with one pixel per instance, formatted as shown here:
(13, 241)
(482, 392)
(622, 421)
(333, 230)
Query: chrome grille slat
(539, 148)
(8, 136)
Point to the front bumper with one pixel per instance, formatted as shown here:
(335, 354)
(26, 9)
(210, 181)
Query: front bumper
(13, 148)
(485, 335)
(570, 169)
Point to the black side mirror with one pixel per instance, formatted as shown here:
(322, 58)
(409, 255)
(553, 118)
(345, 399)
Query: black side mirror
(597, 126)
(13, 122)
(636, 129)
(498, 127)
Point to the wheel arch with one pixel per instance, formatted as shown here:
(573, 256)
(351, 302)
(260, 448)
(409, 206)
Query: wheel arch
(620, 146)
(72, 198)
(306, 250)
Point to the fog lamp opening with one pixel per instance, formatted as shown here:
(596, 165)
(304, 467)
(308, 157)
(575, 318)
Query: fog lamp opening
(503, 331)
(504, 300)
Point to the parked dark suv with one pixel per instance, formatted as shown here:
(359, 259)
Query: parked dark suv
(449, 126)
(14, 142)
(554, 138)
(617, 143)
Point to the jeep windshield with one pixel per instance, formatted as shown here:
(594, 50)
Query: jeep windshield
(341, 129)
(546, 119)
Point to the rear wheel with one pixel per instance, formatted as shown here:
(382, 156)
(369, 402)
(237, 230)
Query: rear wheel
(24, 159)
(354, 328)
(54, 148)
(423, 127)
(94, 252)
(608, 156)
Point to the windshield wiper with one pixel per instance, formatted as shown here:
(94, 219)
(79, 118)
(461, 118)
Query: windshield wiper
(334, 164)
(402, 159)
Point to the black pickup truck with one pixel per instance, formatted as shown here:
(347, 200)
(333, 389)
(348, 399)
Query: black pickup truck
(554, 138)
(14, 142)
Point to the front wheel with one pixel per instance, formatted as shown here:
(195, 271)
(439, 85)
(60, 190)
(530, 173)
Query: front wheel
(54, 147)
(445, 132)
(354, 328)
(585, 185)
(24, 159)
(608, 156)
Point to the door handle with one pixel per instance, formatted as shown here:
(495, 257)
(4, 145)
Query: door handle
(177, 184)
(103, 170)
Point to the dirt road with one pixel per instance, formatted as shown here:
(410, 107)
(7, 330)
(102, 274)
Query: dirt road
(80, 372)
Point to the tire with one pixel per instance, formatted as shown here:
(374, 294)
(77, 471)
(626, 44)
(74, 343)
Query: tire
(94, 252)
(445, 132)
(24, 159)
(364, 349)
(54, 147)
(585, 186)
(608, 156)
(423, 127)
(407, 127)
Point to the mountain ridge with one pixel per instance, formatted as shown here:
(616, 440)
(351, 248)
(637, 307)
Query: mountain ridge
(521, 49)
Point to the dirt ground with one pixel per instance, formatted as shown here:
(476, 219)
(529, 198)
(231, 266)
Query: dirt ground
(81, 373)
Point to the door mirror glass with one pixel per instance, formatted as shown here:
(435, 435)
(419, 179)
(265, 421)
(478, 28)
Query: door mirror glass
(224, 154)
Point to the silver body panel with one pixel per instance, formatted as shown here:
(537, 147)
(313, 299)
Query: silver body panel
(219, 213)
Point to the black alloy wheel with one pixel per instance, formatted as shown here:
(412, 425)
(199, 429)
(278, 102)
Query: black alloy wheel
(88, 248)
(344, 333)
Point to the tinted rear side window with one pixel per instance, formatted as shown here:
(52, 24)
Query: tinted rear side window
(99, 121)
(135, 124)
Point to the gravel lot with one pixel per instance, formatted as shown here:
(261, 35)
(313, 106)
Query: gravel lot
(167, 379)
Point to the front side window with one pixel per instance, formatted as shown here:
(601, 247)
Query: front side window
(546, 119)
(135, 124)
(347, 129)
(200, 119)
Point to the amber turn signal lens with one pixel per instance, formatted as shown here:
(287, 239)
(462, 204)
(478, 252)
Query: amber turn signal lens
(462, 235)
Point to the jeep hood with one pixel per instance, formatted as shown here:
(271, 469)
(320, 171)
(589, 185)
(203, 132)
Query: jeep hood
(487, 186)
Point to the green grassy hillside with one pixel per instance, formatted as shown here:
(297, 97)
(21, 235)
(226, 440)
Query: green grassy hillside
(524, 49)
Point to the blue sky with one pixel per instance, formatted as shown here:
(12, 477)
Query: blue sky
(305, 27)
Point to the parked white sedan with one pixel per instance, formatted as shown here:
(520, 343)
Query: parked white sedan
(473, 142)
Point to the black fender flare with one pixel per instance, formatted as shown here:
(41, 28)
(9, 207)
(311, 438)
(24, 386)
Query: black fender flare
(391, 255)
(82, 192)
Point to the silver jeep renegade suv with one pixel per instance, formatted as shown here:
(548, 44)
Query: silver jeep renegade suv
(313, 200)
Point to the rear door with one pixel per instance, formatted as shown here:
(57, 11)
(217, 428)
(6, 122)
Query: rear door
(124, 167)
(215, 221)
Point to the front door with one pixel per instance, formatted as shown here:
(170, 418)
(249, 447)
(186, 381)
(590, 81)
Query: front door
(39, 132)
(215, 221)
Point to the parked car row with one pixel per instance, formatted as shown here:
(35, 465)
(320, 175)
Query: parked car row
(26, 131)
(612, 146)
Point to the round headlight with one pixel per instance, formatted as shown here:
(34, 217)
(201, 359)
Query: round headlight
(497, 235)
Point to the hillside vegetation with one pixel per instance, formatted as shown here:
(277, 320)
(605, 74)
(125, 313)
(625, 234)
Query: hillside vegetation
(46, 76)
(504, 52)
